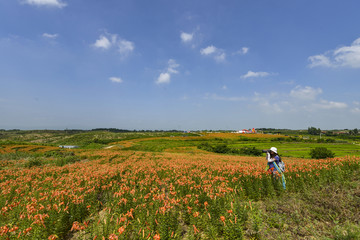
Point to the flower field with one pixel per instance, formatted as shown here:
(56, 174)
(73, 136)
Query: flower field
(113, 194)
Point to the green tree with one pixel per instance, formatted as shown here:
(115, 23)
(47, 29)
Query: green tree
(321, 152)
(354, 132)
(314, 131)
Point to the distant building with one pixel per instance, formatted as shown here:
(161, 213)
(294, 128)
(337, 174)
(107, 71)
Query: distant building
(68, 146)
(247, 131)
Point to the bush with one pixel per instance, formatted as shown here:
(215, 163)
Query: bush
(225, 149)
(66, 160)
(33, 162)
(321, 152)
(251, 151)
(222, 148)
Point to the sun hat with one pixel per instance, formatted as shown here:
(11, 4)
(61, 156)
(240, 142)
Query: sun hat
(274, 149)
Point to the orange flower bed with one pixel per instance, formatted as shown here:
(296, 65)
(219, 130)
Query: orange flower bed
(126, 194)
(26, 148)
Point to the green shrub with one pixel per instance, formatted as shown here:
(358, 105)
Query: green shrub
(222, 148)
(205, 146)
(250, 151)
(33, 162)
(321, 152)
(61, 161)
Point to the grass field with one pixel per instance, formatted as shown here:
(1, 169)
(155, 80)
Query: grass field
(163, 186)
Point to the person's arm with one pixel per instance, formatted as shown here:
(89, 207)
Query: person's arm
(268, 157)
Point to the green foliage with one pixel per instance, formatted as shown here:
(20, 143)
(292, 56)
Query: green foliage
(314, 131)
(354, 132)
(33, 162)
(221, 148)
(225, 149)
(66, 160)
(350, 231)
(327, 140)
(250, 151)
(321, 152)
(15, 156)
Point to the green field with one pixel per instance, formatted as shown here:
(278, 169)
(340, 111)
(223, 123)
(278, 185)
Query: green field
(294, 144)
(175, 185)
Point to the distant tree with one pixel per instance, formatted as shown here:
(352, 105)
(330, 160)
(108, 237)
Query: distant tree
(354, 132)
(329, 133)
(314, 131)
(321, 152)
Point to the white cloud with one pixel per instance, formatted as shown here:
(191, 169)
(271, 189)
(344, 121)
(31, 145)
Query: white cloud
(324, 104)
(220, 57)
(186, 37)
(245, 50)
(290, 82)
(251, 74)
(208, 50)
(265, 103)
(242, 51)
(48, 3)
(172, 66)
(113, 41)
(305, 93)
(116, 79)
(125, 47)
(347, 56)
(355, 110)
(102, 42)
(218, 54)
(165, 77)
(319, 60)
(50, 36)
(299, 100)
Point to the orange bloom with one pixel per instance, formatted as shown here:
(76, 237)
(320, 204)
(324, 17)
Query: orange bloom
(222, 218)
(121, 230)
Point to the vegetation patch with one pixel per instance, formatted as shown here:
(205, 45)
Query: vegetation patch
(167, 188)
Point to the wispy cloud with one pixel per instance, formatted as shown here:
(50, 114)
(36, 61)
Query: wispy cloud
(242, 51)
(325, 104)
(346, 56)
(305, 93)
(208, 50)
(356, 107)
(165, 76)
(251, 74)
(218, 54)
(186, 37)
(300, 99)
(355, 110)
(116, 79)
(46, 3)
(50, 36)
(172, 66)
(224, 98)
(113, 41)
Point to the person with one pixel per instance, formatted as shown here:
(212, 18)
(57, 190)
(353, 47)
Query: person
(274, 160)
(271, 157)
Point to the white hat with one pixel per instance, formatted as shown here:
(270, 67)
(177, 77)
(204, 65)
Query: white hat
(274, 149)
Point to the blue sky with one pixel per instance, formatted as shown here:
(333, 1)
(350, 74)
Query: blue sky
(186, 65)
